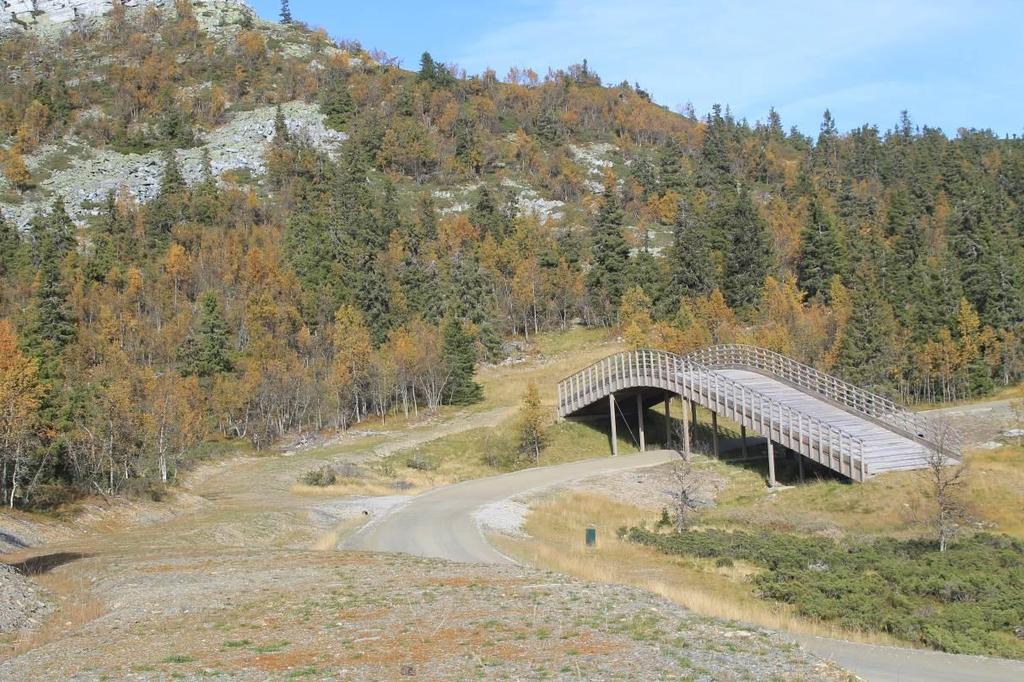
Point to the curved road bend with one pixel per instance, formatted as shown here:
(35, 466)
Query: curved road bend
(440, 524)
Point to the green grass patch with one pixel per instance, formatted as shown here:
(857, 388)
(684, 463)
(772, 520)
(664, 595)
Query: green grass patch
(968, 599)
(178, 658)
(270, 648)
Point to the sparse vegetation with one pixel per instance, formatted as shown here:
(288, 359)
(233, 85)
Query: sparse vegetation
(321, 477)
(966, 598)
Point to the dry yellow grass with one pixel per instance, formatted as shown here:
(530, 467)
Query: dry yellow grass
(555, 355)
(74, 607)
(556, 529)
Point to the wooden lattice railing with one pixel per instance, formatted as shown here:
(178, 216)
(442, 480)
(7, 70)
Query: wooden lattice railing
(936, 434)
(810, 436)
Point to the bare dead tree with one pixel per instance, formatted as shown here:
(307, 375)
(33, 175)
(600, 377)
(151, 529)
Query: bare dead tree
(693, 488)
(946, 479)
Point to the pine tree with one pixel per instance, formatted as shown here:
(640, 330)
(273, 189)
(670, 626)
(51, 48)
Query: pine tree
(868, 351)
(606, 279)
(286, 12)
(281, 135)
(748, 257)
(460, 357)
(486, 215)
(646, 273)
(375, 301)
(50, 325)
(670, 170)
(692, 270)
(169, 205)
(337, 104)
(12, 253)
(820, 254)
(715, 167)
(205, 352)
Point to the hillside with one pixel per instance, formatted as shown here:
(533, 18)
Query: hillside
(221, 228)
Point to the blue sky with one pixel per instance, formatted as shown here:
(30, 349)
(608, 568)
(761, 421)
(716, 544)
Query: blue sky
(950, 63)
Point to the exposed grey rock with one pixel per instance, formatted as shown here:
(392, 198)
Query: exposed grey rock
(59, 15)
(240, 144)
(22, 603)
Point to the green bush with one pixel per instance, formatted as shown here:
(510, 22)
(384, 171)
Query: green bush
(322, 477)
(968, 599)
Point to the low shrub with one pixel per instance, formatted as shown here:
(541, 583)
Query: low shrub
(322, 477)
(420, 462)
(968, 599)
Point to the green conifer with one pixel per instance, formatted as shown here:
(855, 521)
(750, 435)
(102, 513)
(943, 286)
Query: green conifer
(460, 356)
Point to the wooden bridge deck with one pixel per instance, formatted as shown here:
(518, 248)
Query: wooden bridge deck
(884, 450)
(840, 426)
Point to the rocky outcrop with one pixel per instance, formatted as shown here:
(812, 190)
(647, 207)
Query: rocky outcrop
(59, 14)
(240, 145)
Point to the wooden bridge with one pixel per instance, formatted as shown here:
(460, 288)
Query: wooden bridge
(817, 416)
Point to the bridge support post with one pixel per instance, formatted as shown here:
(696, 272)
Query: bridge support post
(693, 412)
(714, 432)
(800, 465)
(640, 421)
(668, 420)
(615, 435)
(771, 463)
(743, 436)
(686, 433)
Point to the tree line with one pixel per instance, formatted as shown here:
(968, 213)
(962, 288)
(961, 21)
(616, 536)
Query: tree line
(337, 287)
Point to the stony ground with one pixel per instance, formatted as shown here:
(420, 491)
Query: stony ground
(233, 584)
(290, 613)
(23, 604)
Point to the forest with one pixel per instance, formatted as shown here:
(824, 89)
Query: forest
(334, 289)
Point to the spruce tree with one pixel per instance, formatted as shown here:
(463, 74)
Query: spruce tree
(205, 352)
(375, 301)
(168, 207)
(50, 325)
(692, 270)
(281, 135)
(460, 357)
(286, 12)
(670, 171)
(337, 104)
(486, 215)
(715, 167)
(11, 248)
(868, 348)
(606, 279)
(820, 254)
(748, 258)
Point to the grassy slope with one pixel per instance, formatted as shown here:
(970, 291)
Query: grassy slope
(488, 450)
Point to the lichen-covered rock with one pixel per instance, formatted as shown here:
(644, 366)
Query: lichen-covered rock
(58, 15)
(240, 144)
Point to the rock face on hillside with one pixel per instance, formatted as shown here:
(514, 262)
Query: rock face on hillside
(238, 145)
(57, 14)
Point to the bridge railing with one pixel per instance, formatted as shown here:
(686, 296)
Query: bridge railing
(936, 434)
(814, 437)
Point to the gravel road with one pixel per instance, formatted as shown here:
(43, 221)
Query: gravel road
(442, 524)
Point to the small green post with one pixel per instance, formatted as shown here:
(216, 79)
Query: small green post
(591, 536)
